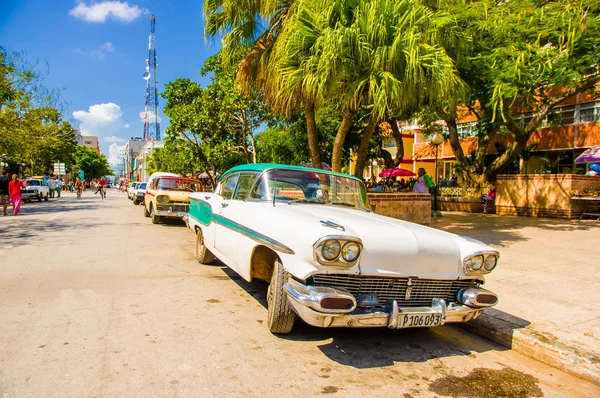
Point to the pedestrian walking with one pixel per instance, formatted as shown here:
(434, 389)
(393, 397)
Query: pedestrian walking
(14, 190)
(59, 185)
(424, 182)
(51, 187)
(4, 195)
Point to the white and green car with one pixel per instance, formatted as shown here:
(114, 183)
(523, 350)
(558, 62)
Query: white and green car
(330, 259)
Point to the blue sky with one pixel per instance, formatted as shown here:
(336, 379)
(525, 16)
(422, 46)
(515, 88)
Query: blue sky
(97, 53)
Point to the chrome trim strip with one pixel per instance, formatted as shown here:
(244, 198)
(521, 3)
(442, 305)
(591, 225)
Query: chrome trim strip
(252, 234)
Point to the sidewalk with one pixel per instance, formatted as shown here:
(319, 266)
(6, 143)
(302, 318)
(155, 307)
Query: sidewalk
(548, 283)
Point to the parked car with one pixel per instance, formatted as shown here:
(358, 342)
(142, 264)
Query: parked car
(139, 193)
(131, 190)
(35, 190)
(167, 196)
(330, 259)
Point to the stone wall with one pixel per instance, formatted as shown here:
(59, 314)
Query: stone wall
(541, 195)
(468, 205)
(411, 207)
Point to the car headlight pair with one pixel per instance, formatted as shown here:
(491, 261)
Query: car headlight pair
(337, 250)
(481, 263)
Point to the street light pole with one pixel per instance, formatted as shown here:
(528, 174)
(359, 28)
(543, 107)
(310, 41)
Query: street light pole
(437, 139)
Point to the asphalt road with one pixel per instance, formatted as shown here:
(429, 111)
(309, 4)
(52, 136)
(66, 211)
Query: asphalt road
(98, 302)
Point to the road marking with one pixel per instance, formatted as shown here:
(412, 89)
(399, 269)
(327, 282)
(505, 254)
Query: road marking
(54, 217)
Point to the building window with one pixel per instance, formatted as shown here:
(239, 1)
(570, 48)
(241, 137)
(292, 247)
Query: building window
(466, 129)
(391, 143)
(589, 112)
(88, 143)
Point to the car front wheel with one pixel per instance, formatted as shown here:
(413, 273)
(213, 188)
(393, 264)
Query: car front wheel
(146, 212)
(280, 317)
(203, 255)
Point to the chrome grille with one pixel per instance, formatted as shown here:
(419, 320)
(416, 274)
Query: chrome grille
(175, 208)
(387, 289)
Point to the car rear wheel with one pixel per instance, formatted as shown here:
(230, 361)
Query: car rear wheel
(203, 255)
(280, 318)
(136, 202)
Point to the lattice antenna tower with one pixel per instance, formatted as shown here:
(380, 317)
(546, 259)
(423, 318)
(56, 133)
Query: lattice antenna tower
(150, 114)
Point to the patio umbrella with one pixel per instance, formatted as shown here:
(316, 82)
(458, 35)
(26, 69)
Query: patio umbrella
(205, 175)
(396, 172)
(591, 155)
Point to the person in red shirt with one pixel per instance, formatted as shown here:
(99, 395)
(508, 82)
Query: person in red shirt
(14, 190)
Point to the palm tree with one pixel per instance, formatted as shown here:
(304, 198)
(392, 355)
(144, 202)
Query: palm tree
(380, 54)
(253, 26)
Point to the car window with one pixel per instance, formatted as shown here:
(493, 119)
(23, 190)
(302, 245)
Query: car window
(142, 186)
(244, 185)
(285, 191)
(228, 186)
(33, 183)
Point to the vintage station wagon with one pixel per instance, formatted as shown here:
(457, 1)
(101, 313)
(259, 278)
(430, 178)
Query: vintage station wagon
(330, 259)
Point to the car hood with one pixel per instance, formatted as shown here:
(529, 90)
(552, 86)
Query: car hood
(390, 246)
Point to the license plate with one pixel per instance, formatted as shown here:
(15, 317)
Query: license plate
(418, 320)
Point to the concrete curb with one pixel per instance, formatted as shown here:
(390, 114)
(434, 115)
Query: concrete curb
(510, 332)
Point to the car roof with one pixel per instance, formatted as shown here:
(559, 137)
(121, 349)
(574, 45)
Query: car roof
(260, 167)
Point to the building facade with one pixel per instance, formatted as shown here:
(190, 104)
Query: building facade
(132, 150)
(141, 161)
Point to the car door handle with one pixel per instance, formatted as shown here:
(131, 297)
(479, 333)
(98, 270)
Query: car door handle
(224, 204)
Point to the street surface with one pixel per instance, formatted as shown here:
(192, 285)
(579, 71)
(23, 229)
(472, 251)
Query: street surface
(98, 302)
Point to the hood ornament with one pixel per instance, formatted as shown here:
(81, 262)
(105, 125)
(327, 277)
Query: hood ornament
(331, 224)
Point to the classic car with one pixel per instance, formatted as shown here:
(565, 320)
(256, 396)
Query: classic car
(330, 259)
(132, 189)
(139, 193)
(35, 189)
(167, 196)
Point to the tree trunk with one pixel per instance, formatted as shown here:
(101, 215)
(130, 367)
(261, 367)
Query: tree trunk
(340, 137)
(397, 135)
(313, 135)
(361, 155)
(253, 141)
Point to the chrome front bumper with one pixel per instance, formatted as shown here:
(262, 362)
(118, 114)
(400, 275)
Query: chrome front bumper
(305, 302)
(170, 214)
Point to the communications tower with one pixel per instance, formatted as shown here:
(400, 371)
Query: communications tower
(150, 114)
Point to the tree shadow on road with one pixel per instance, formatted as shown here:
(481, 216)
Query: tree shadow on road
(502, 231)
(32, 230)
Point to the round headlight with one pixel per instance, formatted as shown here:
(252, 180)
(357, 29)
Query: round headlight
(162, 198)
(490, 262)
(474, 263)
(331, 249)
(350, 251)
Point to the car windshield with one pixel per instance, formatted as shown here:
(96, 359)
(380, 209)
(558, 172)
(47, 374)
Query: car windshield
(305, 186)
(142, 186)
(34, 183)
(179, 184)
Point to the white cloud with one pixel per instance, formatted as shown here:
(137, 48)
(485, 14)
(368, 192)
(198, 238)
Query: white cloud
(126, 125)
(99, 12)
(114, 155)
(113, 139)
(98, 53)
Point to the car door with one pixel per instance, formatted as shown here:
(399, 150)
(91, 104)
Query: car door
(230, 228)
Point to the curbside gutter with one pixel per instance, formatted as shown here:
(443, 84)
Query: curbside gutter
(514, 333)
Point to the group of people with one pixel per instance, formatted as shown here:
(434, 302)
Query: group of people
(10, 192)
(55, 185)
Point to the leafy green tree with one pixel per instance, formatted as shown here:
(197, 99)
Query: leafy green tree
(32, 131)
(522, 56)
(381, 55)
(93, 164)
